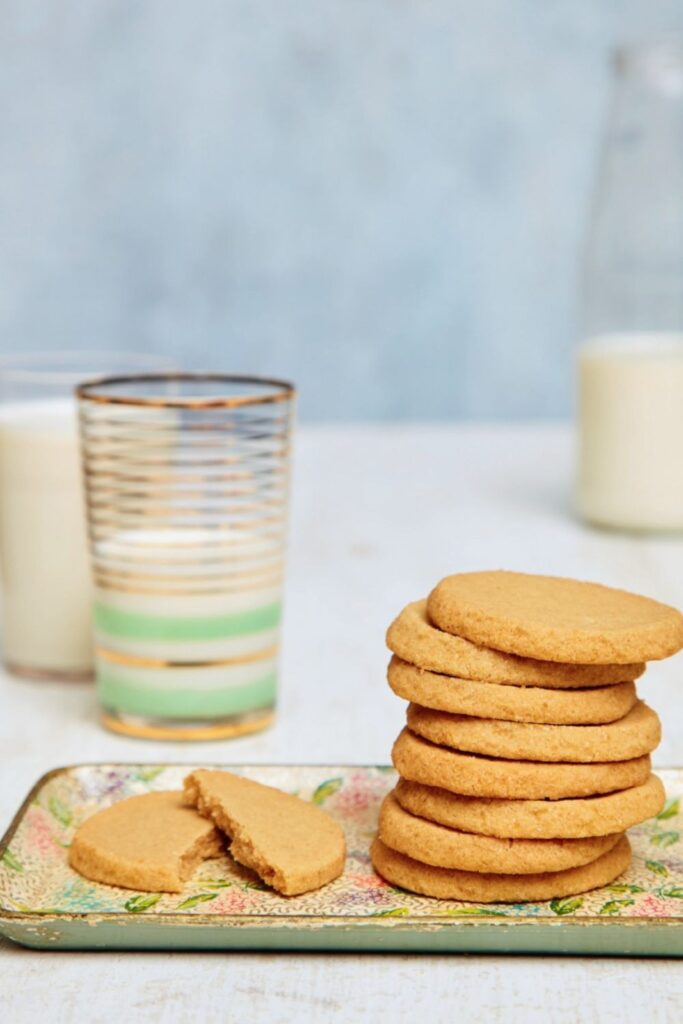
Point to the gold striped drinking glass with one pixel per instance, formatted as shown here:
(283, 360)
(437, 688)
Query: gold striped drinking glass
(186, 481)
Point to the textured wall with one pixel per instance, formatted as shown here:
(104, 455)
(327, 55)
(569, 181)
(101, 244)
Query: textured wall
(382, 199)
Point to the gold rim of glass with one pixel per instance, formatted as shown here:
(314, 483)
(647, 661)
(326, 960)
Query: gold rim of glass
(269, 390)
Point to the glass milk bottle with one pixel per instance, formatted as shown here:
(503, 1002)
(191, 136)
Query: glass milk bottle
(630, 401)
(44, 562)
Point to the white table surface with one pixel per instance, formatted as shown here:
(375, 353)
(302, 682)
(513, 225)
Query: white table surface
(379, 515)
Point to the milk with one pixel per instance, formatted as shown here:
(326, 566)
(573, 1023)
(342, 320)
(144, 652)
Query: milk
(46, 593)
(631, 431)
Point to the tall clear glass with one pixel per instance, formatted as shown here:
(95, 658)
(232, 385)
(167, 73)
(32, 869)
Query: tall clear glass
(43, 547)
(630, 401)
(186, 481)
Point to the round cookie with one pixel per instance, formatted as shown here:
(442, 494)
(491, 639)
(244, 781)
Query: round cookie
(475, 887)
(445, 847)
(473, 775)
(555, 619)
(637, 733)
(151, 842)
(510, 703)
(416, 640)
(534, 819)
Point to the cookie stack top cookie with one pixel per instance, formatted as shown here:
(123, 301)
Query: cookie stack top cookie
(555, 619)
(526, 749)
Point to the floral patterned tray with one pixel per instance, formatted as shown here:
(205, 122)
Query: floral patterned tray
(44, 904)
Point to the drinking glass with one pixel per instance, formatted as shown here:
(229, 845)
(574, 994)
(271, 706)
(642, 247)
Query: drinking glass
(43, 546)
(186, 479)
(630, 415)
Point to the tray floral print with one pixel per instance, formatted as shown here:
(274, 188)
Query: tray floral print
(44, 904)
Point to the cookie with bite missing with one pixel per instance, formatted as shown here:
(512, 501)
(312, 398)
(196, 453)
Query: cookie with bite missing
(290, 843)
(152, 843)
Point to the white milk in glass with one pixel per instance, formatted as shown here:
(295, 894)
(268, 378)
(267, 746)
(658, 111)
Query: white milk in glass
(631, 430)
(43, 548)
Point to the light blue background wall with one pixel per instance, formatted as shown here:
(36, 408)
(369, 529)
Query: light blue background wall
(382, 199)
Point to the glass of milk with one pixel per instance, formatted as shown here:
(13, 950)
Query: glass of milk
(44, 565)
(187, 493)
(630, 365)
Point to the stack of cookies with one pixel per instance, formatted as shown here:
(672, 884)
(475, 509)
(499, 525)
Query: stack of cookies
(526, 754)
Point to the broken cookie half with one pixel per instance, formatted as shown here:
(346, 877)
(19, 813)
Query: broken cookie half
(152, 842)
(292, 845)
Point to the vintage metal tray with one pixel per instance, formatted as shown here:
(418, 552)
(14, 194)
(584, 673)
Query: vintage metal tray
(44, 904)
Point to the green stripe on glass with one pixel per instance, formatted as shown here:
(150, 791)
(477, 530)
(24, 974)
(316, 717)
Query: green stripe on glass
(192, 702)
(138, 626)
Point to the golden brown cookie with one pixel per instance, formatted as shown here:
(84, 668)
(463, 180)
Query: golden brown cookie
(473, 775)
(451, 884)
(555, 619)
(445, 847)
(291, 844)
(510, 703)
(151, 842)
(637, 733)
(534, 819)
(414, 638)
